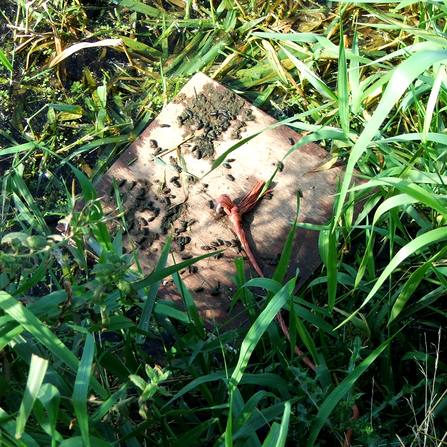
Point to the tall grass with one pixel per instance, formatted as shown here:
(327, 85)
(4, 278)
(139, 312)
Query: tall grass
(365, 80)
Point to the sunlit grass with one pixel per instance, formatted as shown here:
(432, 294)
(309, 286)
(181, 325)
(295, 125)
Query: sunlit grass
(368, 82)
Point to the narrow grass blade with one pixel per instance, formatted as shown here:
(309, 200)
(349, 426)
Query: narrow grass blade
(412, 284)
(77, 441)
(328, 253)
(36, 374)
(22, 190)
(190, 437)
(190, 304)
(161, 274)
(153, 289)
(337, 394)
(354, 76)
(81, 386)
(5, 61)
(401, 78)
(49, 398)
(277, 436)
(39, 331)
(440, 79)
(432, 237)
(257, 331)
(99, 228)
(141, 7)
(286, 252)
(311, 77)
(342, 85)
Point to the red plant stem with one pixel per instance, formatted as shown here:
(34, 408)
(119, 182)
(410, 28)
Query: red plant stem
(235, 213)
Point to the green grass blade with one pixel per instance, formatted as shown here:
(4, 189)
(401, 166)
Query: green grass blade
(5, 61)
(257, 330)
(412, 284)
(49, 397)
(337, 394)
(161, 274)
(80, 390)
(77, 441)
(342, 85)
(328, 253)
(286, 252)
(153, 289)
(432, 237)
(190, 304)
(40, 332)
(277, 436)
(440, 79)
(354, 77)
(401, 78)
(36, 219)
(36, 374)
(311, 77)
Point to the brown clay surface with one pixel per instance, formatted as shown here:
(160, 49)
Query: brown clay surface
(267, 226)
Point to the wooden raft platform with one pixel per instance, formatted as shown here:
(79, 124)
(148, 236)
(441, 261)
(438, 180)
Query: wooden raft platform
(144, 181)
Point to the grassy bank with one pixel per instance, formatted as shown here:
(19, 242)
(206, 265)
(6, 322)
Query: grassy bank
(90, 356)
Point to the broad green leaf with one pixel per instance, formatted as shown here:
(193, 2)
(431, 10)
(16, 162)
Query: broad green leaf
(36, 374)
(81, 386)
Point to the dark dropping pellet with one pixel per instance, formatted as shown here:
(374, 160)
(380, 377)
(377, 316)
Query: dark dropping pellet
(153, 143)
(206, 247)
(226, 165)
(280, 166)
(140, 239)
(220, 241)
(122, 182)
(227, 243)
(173, 179)
(291, 141)
(199, 289)
(214, 244)
(218, 256)
(193, 269)
(230, 177)
(165, 125)
(211, 204)
(186, 257)
(177, 184)
(230, 160)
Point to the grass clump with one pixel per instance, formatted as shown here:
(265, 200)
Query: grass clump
(91, 356)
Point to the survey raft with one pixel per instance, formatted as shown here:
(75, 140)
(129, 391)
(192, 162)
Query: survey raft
(207, 142)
